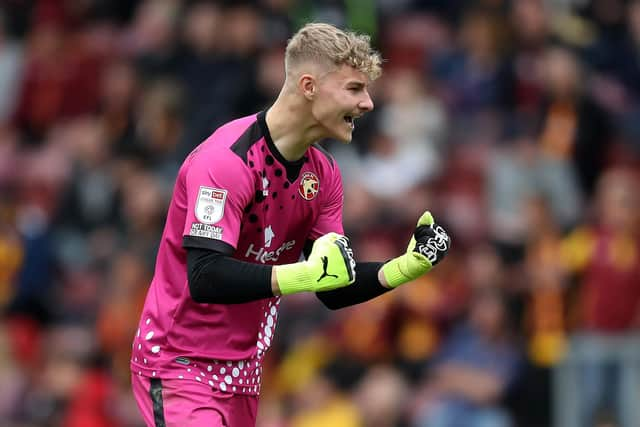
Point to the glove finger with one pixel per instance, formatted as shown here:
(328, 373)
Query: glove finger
(425, 219)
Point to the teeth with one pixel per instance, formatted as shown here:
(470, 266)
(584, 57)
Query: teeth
(350, 120)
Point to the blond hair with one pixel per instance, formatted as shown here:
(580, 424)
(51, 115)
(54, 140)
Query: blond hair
(326, 44)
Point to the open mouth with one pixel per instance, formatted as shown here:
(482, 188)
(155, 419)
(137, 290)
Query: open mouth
(350, 120)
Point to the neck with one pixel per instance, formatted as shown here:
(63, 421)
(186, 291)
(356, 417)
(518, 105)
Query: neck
(292, 128)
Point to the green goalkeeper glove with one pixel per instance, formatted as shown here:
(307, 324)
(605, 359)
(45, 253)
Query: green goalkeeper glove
(330, 266)
(428, 245)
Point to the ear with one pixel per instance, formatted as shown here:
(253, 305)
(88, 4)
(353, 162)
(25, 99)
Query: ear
(307, 85)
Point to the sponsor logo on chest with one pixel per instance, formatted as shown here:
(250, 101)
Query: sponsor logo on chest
(263, 255)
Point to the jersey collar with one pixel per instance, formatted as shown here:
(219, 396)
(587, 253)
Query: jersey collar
(292, 167)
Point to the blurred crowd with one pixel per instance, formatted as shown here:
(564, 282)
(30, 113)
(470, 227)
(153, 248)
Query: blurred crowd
(516, 122)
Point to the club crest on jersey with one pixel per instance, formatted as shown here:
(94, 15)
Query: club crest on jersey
(210, 204)
(309, 185)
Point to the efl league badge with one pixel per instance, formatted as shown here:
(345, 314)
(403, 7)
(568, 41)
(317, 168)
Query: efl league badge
(210, 204)
(309, 185)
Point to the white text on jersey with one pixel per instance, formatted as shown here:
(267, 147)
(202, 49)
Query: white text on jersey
(262, 255)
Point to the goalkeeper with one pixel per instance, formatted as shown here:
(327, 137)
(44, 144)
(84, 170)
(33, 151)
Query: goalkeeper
(247, 203)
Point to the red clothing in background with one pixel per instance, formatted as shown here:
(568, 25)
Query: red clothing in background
(611, 284)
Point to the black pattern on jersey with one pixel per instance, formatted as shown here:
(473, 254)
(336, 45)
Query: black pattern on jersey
(249, 137)
(324, 151)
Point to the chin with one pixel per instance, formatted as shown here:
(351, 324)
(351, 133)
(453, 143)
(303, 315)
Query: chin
(339, 134)
(344, 137)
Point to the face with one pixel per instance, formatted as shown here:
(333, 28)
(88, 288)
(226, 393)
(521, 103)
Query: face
(488, 315)
(562, 72)
(339, 98)
(620, 203)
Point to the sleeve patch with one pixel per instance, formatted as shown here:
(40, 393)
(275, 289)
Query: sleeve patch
(206, 230)
(210, 204)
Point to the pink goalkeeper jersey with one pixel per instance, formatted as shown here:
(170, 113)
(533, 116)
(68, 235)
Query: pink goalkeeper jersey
(236, 194)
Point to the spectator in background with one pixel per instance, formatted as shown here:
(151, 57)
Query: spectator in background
(615, 55)
(393, 170)
(616, 80)
(381, 397)
(277, 21)
(471, 373)
(473, 75)
(540, 301)
(11, 248)
(160, 129)
(128, 276)
(530, 33)
(143, 212)
(518, 171)
(87, 215)
(119, 92)
(11, 59)
(90, 201)
(152, 41)
(61, 74)
(269, 78)
(545, 317)
(574, 128)
(604, 254)
(40, 181)
(415, 120)
(218, 67)
(422, 317)
(202, 72)
(321, 403)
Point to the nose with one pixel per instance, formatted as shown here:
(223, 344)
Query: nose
(366, 104)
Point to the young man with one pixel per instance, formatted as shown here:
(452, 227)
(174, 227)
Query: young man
(247, 203)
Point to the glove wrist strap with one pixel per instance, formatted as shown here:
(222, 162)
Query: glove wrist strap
(294, 278)
(394, 274)
(405, 268)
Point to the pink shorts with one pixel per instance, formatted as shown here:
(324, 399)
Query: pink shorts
(185, 403)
